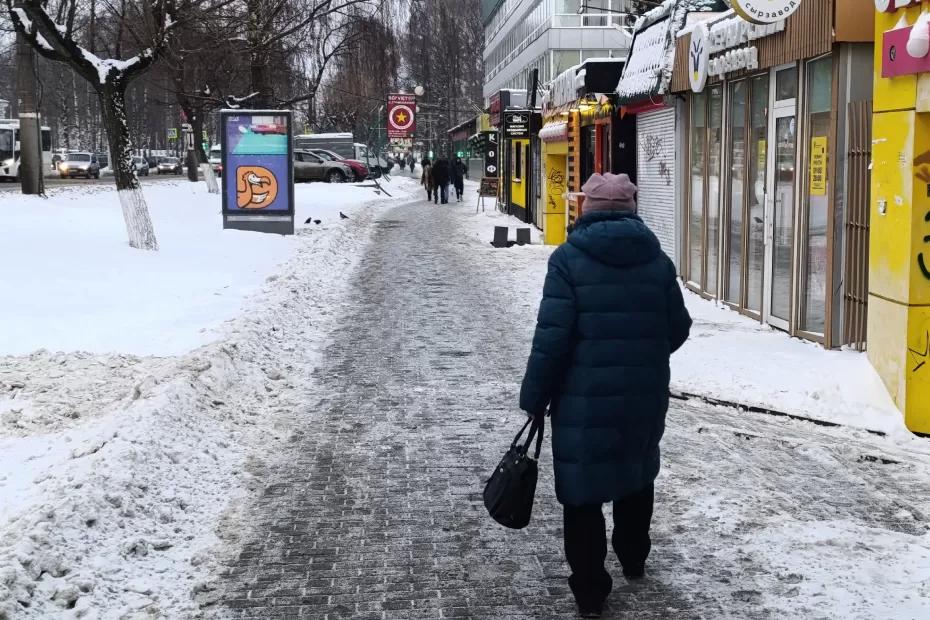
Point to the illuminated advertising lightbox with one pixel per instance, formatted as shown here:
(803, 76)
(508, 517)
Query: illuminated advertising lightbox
(258, 170)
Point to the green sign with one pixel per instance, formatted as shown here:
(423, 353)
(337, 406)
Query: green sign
(460, 154)
(173, 133)
(205, 138)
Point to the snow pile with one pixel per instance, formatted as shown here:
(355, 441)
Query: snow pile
(78, 286)
(112, 514)
(737, 359)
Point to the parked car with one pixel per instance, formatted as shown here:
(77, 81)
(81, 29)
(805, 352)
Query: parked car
(104, 160)
(79, 165)
(170, 165)
(152, 161)
(216, 161)
(141, 166)
(359, 170)
(310, 167)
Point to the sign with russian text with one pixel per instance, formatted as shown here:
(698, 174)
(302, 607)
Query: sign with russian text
(765, 11)
(491, 155)
(401, 111)
(818, 173)
(490, 186)
(517, 124)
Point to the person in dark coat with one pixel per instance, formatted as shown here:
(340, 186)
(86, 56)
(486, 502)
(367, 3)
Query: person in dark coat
(441, 176)
(426, 178)
(458, 178)
(612, 314)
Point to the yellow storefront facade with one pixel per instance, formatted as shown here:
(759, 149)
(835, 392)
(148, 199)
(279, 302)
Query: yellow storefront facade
(899, 257)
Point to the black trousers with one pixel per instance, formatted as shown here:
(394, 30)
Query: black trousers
(586, 544)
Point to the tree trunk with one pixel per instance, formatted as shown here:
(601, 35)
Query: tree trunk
(30, 151)
(135, 211)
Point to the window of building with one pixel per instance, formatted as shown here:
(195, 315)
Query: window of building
(736, 183)
(755, 190)
(517, 162)
(714, 151)
(588, 146)
(816, 189)
(563, 60)
(697, 163)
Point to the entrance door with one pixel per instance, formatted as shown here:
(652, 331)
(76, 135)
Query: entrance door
(780, 216)
(781, 186)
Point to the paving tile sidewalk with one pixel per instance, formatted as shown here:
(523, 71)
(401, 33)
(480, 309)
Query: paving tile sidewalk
(374, 510)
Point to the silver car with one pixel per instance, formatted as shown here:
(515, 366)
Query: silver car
(141, 166)
(310, 167)
(79, 165)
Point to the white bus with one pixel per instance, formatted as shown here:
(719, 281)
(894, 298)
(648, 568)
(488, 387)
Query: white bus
(9, 149)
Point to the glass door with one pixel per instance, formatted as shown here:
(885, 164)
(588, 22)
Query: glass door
(780, 197)
(781, 217)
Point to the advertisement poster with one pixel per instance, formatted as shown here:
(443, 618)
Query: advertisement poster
(257, 167)
(818, 166)
(401, 110)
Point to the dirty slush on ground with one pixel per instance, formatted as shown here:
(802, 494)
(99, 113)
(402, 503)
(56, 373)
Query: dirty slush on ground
(373, 507)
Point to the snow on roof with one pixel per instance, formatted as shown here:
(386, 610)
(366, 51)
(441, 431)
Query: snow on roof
(648, 70)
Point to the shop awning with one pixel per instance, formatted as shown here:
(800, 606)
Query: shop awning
(554, 132)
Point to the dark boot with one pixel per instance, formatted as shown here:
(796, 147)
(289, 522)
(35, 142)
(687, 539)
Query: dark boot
(632, 517)
(586, 550)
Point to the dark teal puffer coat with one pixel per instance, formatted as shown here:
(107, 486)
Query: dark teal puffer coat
(611, 315)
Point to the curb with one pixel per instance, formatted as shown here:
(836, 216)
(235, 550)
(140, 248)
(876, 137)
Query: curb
(710, 400)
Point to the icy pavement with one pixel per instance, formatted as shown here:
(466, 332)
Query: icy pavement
(368, 500)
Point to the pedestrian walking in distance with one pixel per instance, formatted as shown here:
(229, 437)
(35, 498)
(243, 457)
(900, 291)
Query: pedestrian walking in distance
(458, 178)
(611, 315)
(442, 175)
(426, 178)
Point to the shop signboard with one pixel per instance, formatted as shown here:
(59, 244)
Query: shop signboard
(517, 124)
(489, 188)
(491, 155)
(401, 111)
(818, 172)
(890, 6)
(563, 89)
(765, 11)
(173, 133)
(258, 179)
(903, 53)
(723, 47)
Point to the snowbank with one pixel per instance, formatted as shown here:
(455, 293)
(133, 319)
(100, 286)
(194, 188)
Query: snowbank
(75, 285)
(736, 359)
(113, 513)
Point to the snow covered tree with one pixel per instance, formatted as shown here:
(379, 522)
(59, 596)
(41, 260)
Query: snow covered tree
(143, 27)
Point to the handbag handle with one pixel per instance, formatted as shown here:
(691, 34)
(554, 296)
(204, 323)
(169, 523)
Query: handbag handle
(539, 424)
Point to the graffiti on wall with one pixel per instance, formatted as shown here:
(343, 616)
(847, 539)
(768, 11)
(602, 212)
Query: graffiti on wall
(555, 187)
(653, 149)
(922, 172)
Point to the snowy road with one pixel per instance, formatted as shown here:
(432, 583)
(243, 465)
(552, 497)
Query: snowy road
(373, 509)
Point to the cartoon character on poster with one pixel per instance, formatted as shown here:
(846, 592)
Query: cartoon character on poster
(256, 187)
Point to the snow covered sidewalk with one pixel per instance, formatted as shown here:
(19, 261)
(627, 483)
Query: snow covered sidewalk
(735, 359)
(117, 466)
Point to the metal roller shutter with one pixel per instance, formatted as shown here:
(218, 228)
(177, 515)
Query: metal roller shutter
(655, 154)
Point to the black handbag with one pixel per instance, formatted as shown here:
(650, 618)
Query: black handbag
(509, 494)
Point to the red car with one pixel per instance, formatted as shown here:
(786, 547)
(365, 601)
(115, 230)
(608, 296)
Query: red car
(272, 128)
(359, 169)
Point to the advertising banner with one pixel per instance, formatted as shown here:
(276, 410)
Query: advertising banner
(516, 124)
(258, 170)
(401, 110)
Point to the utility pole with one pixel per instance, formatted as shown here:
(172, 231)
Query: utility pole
(30, 140)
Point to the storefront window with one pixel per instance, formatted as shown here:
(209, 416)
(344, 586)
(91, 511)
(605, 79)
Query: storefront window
(786, 139)
(814, 265)
(697, 161)
(714, 151)
(786, 84)
(736, 168)
(758, 162)
(587, 152)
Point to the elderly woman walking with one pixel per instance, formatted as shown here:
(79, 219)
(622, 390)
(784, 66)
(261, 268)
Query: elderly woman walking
(612, 314)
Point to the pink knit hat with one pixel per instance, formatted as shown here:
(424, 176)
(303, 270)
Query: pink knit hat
(609, 192)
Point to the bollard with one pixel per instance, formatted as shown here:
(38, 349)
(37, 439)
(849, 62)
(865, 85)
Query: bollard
(523, 236)
(500, 236)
